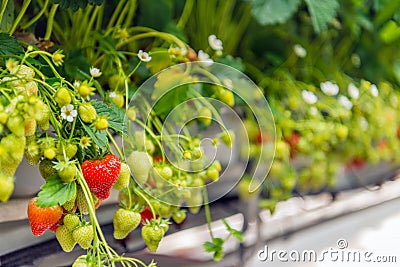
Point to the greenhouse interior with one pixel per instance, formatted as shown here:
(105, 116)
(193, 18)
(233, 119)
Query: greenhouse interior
(208, 133)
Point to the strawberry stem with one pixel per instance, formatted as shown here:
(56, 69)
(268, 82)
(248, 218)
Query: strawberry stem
(92, 213)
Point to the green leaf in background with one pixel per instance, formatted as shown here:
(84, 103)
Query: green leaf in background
(55, 191)
(9, 46)
(390, 32)
(99, 138)
(273, 11)
(114, 115)
(8, 16)
(235, 63)
(322, 12)
(155, 14)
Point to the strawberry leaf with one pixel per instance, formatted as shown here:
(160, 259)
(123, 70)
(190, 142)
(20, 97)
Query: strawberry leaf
(9, 46)
(236, 233)
(215, 247)
(99, 138)
(55, 191)
(114, 114)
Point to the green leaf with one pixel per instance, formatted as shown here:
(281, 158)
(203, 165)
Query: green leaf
(155, 13)
(215, 247)
(114, 114)
(322, 12)
(236, 233)
(9, 46)
(273, 11)
(55, 191)
(390, 32)
(8, 16)
(99, 138)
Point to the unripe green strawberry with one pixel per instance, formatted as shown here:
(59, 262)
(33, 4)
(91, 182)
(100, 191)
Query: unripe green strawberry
(50, 153)
(116, 81)
(66, 172)
(16, 124)
(118, 100)
(124, 222)
(101, 124)
(14, 145)
(216, 165)
(87, 112)
(70, 151)
(195, 201)
(3, 117)
(62, 97)
(6, 187)
(81, 262)
(227, 97)
(81, 200)
(85, 90)
(244, 189)
(124, 177)
(33, 153)
(152, 235)
(166, 172)
(131, 113)
(70, 205)
(30, 126)
(46, 168)
(212, 174)
(71, 221)
(83, 236)
(65, 238)
(205, 116)
(44, 121)
(228, 138)
(341, 132)
(179, 216)
(140, 164)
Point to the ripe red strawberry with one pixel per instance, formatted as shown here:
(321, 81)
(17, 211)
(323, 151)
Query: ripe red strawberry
(41, 219)
(101, 175)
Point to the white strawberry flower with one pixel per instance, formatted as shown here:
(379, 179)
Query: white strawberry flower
(112, 95)
(345, 102)
(329, 88)
(309, 97)
(204, 58)
(68, 113)
(144, 56)
(374, 90)
(95, 72)
(299, 50)
(215, 43)
(353, 91)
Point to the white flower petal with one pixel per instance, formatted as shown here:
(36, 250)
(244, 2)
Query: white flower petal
(309, 97)
(299, 51)
(353, 91)
(95, 72)
(215, 43)
(70, 118)
(345, 102)
(143, 56)
(374, 90)
(329, 88)
(74, 113)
